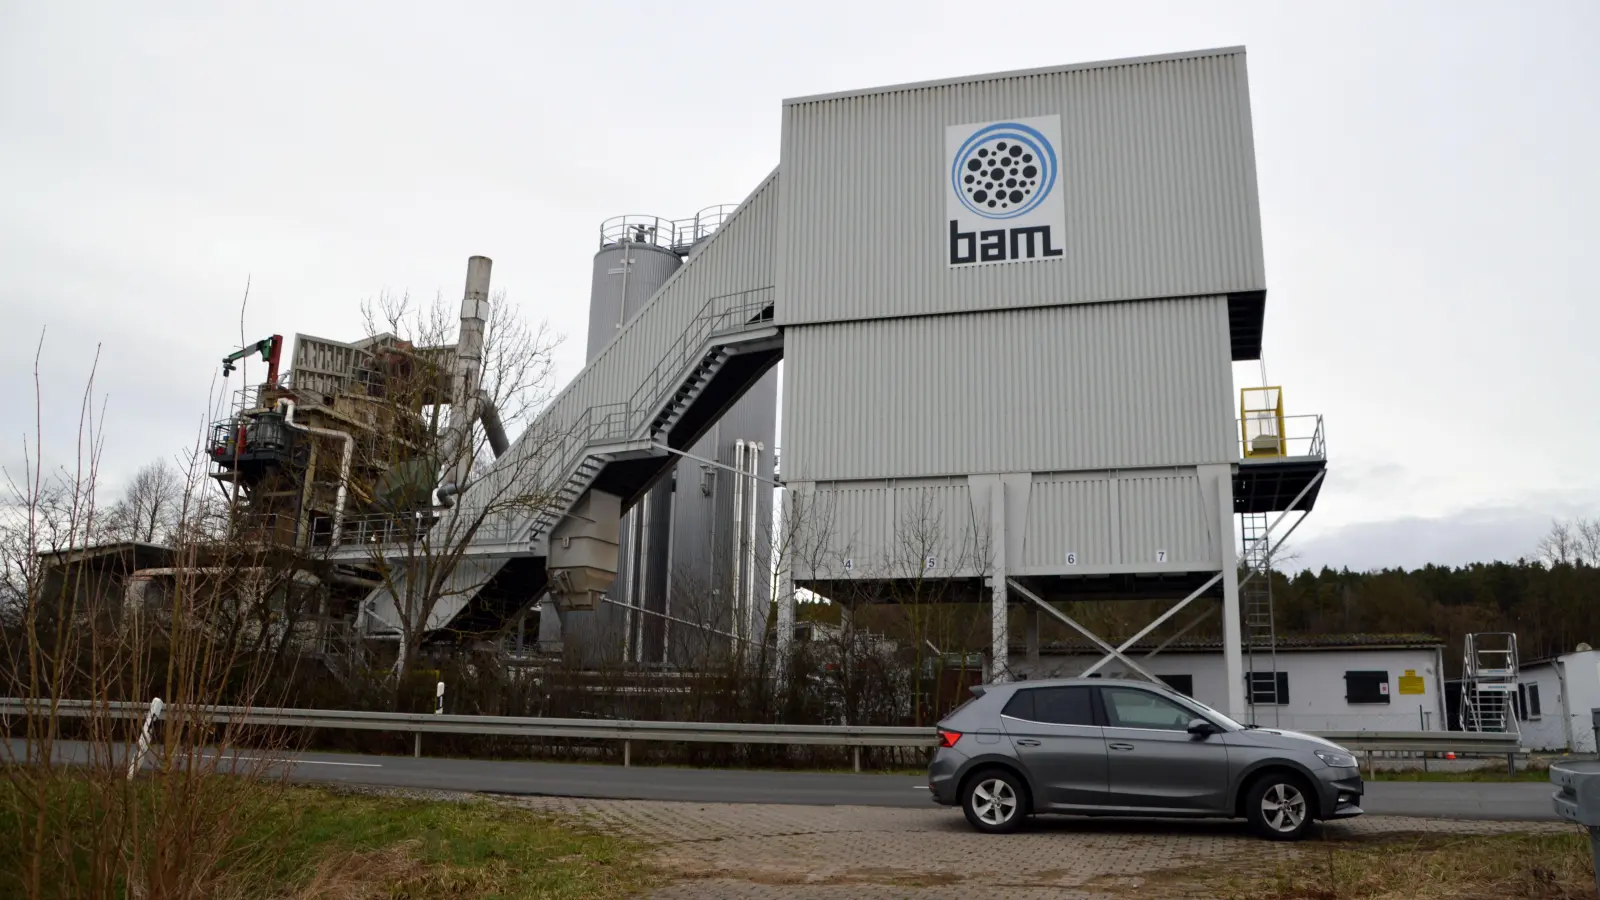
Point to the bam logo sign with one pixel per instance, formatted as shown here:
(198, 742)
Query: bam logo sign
(1002, 199)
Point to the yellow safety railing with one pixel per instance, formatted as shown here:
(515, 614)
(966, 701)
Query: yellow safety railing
(1261, 422)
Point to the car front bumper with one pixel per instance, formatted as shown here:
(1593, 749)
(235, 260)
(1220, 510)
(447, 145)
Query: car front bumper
(1340, 791)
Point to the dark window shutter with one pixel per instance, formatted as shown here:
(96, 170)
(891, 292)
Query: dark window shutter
(1366, 687)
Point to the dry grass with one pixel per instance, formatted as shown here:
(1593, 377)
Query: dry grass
(310, 844)
(1503, 867)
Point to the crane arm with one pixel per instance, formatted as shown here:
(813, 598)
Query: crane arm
(269, 348)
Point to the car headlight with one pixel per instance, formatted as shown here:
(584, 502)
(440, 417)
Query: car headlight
(1337, 758)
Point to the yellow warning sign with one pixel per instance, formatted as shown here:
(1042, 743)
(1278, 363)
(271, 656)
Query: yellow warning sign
(1412, 683)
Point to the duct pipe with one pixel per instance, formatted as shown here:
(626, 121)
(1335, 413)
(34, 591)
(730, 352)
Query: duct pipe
(738, 537)
(286, 406)
(469, 365)
(493, 428)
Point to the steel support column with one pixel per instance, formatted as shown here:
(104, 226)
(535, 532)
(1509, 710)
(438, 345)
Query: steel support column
(1232, 632)
(785, 636)
(1032, 638)
(999, 636)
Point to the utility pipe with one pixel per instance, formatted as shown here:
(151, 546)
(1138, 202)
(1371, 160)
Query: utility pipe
(286, 406)
(493, 428)
(738, 535)
(754, 449)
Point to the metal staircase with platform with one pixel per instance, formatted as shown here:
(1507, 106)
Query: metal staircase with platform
(1489, 675)
(570, 460)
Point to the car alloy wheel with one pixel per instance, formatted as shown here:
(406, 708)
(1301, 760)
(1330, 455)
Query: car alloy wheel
(1283, 807)
(994, 802)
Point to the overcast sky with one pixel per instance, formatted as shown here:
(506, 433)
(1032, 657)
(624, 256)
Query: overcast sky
(1427, 173)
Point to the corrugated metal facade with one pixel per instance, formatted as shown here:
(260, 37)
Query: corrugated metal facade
(1157, 165)
(1105, 386)
(877, 529)
(1076, 524)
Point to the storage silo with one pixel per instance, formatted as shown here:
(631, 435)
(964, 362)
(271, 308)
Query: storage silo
(694, 548)
(637, 255)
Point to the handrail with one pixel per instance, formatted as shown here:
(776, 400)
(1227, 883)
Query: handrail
(1302, 439)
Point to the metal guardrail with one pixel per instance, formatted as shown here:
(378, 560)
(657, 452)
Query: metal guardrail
(1425, 742)
(854, 736)
(692, 732)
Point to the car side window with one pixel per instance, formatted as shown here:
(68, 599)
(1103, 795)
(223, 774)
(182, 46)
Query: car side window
(1056, 706)
(1132, 708)
(1020, 706)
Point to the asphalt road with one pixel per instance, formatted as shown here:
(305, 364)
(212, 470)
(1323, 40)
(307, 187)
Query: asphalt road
(1443, 800)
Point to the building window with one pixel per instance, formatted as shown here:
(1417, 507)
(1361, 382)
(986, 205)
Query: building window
(1527, 700)
(1366, 687)
(1183, 684)
(1261, 688)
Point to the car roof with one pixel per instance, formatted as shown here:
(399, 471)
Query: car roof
(1060, 682)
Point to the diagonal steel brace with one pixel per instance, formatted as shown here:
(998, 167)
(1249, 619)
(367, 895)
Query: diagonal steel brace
(1132, 666)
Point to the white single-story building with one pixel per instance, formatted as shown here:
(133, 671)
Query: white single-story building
(1360, 682)
(1555, 701)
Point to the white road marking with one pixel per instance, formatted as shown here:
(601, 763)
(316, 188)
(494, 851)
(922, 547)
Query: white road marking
(309, 762)
(920, 787)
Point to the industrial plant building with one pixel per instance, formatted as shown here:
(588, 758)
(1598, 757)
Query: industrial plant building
(1008, 307)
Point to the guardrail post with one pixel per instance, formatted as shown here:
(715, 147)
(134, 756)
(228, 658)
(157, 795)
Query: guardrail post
(627, 754)
(1511, 763)
(855, 753)
(143, 746)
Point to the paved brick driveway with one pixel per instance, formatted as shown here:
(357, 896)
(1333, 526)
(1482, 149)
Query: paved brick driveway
(824, 852)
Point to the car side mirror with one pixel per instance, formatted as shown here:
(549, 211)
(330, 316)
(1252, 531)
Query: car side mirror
(1201, 728)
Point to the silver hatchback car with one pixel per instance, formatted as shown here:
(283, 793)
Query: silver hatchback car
(1127, 748)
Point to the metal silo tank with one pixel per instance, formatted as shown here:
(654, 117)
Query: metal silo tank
(636, 257)
(627, 272)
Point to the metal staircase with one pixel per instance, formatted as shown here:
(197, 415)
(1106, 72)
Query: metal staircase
(1489, 683)
(693, 386)
(567, 495)
(576, 456)
(1260, 629)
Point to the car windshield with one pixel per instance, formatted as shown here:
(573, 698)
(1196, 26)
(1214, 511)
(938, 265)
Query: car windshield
(1219, 718)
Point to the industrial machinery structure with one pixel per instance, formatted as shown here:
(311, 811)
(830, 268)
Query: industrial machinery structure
(1008, 307)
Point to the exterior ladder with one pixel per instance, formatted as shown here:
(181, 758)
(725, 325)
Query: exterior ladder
(1260, 629)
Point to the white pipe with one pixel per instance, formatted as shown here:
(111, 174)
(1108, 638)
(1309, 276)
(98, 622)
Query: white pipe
(754, 448)
(286, 406)
(738, 534)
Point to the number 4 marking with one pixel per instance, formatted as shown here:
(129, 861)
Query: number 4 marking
(1161, 556)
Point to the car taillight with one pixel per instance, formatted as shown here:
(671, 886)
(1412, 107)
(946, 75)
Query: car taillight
(948, 738)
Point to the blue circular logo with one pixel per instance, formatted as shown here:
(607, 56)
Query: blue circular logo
(1004, 170)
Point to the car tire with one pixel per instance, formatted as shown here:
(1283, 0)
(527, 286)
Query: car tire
(995, 801)
(1280, 807)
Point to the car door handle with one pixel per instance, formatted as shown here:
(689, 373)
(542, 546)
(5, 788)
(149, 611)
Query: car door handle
(1122, 746)
(1027, 742)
